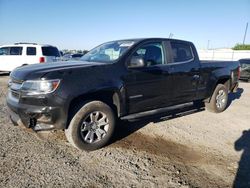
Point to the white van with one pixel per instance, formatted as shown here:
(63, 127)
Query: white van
(19, 54)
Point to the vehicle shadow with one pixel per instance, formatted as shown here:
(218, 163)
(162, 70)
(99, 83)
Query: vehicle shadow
(242, 178)
(125, 128)
(234, 96)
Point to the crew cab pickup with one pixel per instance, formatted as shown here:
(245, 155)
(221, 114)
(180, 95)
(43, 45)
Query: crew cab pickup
(117, 80)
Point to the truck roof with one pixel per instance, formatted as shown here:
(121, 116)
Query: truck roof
(152, 38)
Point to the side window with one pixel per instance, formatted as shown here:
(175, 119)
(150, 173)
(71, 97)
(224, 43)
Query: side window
(4, 51)
(182, 52)
(16, 50)
(31, 51)
(245, 64)
(152, 53)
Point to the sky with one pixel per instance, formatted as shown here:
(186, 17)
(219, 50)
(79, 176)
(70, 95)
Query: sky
(83, 24)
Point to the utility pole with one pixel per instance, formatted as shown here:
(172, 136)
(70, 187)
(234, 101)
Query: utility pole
(208, 44)
(245, 34)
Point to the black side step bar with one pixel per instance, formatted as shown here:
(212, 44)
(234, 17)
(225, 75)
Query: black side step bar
(156, 111)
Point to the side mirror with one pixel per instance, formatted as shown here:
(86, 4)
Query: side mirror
(136, 62)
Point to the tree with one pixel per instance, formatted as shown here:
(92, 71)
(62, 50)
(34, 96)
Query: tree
(241, 47)
(85, 51)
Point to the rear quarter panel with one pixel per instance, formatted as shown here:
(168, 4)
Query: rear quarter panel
(214, 71)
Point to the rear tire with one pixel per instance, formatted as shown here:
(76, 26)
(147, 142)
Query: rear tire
(219, 99)
(91, 127)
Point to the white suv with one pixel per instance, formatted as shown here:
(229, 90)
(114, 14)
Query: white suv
(19, 54)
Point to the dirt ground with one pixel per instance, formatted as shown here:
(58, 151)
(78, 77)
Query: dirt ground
(194, 148)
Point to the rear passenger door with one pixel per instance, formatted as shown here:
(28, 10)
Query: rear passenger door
(184, 72)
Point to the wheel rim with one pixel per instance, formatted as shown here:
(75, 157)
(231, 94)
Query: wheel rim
(221, 99)
(94, 127)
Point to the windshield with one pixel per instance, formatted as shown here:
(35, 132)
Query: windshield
(108, 52)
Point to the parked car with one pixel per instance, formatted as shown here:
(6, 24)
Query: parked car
(68, 57)
(245, 69)
(19, 54)
(123, 79)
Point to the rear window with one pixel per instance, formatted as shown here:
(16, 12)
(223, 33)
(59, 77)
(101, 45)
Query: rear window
(31, 51)
(50, 51)
(182, 52)
(245, 64)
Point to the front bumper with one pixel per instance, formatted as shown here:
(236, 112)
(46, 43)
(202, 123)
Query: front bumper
(36, 117)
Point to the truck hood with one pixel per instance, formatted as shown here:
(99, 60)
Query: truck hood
(36, 71)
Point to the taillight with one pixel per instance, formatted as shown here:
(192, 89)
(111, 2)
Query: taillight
(41, 60)
(239, 69)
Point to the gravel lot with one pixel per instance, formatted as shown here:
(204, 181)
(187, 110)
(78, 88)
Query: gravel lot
(200, 149)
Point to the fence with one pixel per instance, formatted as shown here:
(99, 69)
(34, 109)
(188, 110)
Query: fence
(223, 54)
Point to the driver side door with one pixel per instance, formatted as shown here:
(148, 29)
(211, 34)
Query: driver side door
(146, 86)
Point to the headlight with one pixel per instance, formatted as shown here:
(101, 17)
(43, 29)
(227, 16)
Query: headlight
(37, 87)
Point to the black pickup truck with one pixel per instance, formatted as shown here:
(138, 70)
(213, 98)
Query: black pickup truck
(117, 80)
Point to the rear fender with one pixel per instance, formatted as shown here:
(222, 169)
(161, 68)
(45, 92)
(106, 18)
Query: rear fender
(220, 77)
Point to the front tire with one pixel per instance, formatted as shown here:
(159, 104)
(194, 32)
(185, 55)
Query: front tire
(219, 99)
(91, 127)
